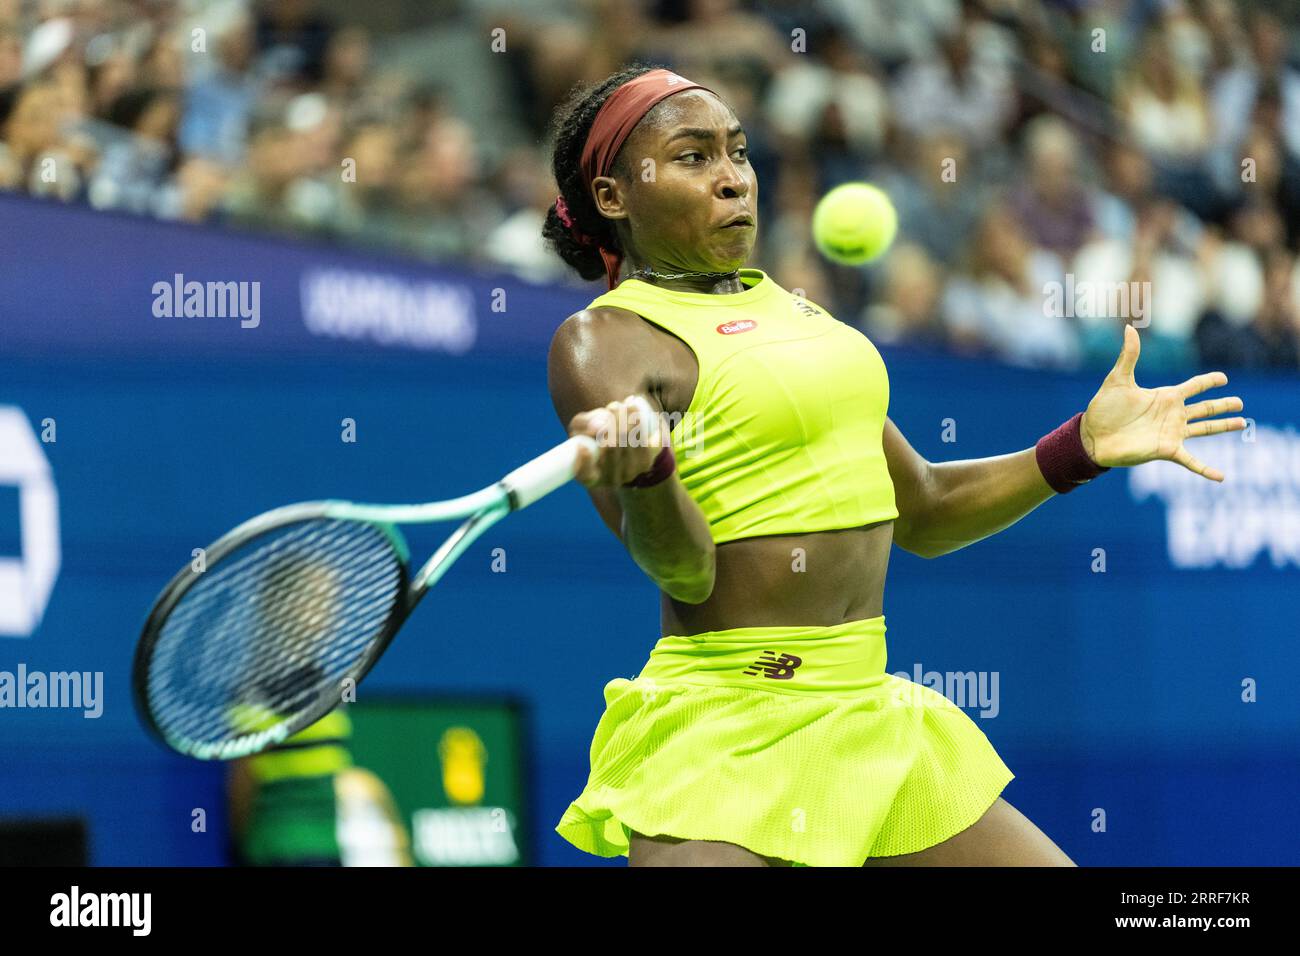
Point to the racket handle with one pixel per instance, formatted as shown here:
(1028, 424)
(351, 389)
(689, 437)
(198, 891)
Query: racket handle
(548, 471)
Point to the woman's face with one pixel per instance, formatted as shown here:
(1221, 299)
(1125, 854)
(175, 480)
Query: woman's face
(684, 175)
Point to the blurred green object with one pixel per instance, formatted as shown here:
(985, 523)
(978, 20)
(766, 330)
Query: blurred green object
(292, 813)
(457, 771)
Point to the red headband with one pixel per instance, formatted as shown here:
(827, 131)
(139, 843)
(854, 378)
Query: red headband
(614, 122)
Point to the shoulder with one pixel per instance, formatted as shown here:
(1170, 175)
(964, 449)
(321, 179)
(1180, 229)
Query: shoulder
(604, 326)
(597, 356)
(599, 319)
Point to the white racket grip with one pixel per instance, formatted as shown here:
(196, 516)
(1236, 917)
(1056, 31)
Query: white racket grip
(548, 471)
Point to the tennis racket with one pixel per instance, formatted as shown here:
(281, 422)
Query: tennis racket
(290, 605)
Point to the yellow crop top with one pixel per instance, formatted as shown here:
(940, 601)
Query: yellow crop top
(783, 434)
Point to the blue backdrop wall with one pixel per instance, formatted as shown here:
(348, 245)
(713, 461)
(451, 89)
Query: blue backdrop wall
(1137, 637)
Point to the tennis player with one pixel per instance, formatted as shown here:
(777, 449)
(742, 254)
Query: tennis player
(764, 729)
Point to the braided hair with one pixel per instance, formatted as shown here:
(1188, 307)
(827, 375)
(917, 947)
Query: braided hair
(579, 245)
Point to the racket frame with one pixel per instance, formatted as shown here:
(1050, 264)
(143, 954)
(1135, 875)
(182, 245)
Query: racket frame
(479, 511)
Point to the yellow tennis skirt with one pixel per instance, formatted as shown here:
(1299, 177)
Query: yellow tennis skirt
(792, 742)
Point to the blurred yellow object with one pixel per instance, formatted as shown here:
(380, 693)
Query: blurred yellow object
(247, 718)
(317, 750)
(463, 756)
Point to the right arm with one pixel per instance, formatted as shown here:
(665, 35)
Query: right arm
(596, 362)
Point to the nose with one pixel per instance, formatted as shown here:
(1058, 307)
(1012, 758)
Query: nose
(732, 182)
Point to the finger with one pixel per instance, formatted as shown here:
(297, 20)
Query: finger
(645, 421)
(607, 427)
(599, 423)
(584, 423)
(640, 433)
(1214, 427)
(1128, 355)
(1192, 464)
(620, 468)
(587, 468)
(1215, 406)
(632, 417)
(616, 423)
(1199, 383)
(629, 423)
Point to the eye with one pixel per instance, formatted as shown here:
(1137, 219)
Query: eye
(744, 151)
(691, 153)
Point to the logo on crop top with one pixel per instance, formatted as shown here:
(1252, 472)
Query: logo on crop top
(777, 668)
(732, 328)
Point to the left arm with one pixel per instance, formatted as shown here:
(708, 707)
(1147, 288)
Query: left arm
(946, 506)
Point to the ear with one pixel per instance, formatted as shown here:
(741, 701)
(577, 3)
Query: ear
(608, 196)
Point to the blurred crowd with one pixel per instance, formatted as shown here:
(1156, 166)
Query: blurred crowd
(1038, 151)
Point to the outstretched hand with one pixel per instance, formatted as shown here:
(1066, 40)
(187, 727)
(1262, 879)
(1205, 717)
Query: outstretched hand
(1126, 424)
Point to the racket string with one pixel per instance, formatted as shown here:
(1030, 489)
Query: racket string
(271, 632)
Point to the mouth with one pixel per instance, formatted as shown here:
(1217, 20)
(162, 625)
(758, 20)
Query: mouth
(744, 220)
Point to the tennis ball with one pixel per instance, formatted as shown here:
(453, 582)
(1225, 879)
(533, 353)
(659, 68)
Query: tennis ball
(854, 223)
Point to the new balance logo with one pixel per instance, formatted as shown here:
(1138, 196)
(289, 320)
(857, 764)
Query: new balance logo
(777, 668)
(806, 308)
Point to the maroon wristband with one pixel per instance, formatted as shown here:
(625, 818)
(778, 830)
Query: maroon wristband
(1062, 459)
(663, 466)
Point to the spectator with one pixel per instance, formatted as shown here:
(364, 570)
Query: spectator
(834, 101)
(257, 194)
(1168, 116)
(1238, 88)
(446, 214)
(11, 57)
(955, 90)
(138, 150)
(109, 77)
(1053, 207)
(908, 311)
(218, 105)
(939, 194)
(196, 193)
(286, 123)
(34, 155)
(997, 303)
(293, 38)
(1271, 339)
(1153, 282)
(347, 59)
(895, 34)
(517, 243)
(1165, 108)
